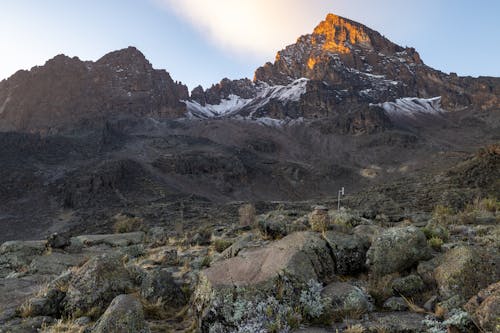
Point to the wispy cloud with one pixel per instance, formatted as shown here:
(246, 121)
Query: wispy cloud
(243, 27)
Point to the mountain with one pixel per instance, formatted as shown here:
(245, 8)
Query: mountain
(342, 107)
(340, 67)
(66, 92)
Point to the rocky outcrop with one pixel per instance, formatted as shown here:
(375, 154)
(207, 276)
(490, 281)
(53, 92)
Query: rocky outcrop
(67, 92)
(96, 283)
(397, 249)
(124, 315)
(485, 308)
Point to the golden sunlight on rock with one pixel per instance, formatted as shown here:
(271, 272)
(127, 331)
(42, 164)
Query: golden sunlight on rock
(311, 63)
(338, 32)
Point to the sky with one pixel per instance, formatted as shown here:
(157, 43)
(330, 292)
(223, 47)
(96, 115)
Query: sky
(203, 41)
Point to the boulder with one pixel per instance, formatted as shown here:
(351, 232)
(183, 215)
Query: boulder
(368, 232)
(95, 284)
(349, 252)
(408, 285)
(159, 284)
(397, 249)
(47, 304)
(124, 315)
(347, 300)
(282, 267)
(485, 308)
(18, 254)
(55, 263)
(114, 240)
(395, 304)
(465, 270)
(58, 241)
(303, 255)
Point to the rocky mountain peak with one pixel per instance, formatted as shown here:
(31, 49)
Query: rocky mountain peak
(129, 57)
(336, 34)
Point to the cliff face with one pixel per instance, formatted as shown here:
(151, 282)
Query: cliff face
(67, 91)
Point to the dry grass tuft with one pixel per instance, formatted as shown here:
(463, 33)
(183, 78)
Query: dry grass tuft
(125, 223)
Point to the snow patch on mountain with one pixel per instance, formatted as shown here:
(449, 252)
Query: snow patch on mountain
(227, 106)
(413, 106)
(265, 93)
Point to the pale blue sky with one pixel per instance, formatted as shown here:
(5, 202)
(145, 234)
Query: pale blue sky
(202, 41)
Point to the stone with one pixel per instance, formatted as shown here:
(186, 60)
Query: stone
(347, 300)
(349, 252)
(159, 284)
(465, 270)
(48, 304)
(114, 240)
(367, 231)
(397, 249)
(58, 241)
(408, 285)
(235, 248)
(395, 304)
(55, 263)
(407, 322)
(124, 315)
(485, 308)
(95, 284)
(157, 236)
(273, 225)
(303, 255)
(430, 304)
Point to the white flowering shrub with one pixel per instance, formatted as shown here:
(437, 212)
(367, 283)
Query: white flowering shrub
(457, 318)
(310, 300)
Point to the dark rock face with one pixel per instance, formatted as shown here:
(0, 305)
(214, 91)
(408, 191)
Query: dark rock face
(67, 91)
(213, 95)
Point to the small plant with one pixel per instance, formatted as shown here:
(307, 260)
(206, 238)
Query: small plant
(435, 243)
(221, 244)
(319, 221)
(443, 215)
(125, 223)
(354, 329)
(26, 310)
(62, 326)
(247, 215)
(206, 261)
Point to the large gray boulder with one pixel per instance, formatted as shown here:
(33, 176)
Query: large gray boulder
(397, 249)
(349, 252)
(282, 267)
(114, 240)
(465, 270)
(303, 255)
(159, 285)
(95, 284)
(18, 254)
(124, 315)
(347, 300)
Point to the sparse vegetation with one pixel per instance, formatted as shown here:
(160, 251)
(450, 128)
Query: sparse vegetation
(443, 215)
(63, 326)
(125, 223)
(354, 329)
(435, 243)
(221, 244)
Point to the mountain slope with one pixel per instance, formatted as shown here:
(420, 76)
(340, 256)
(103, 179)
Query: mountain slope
(67, 91)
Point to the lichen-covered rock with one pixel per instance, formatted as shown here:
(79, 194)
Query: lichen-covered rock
(346, 299)
(95, 284)
(395, 304)
(465, 270)
(397, 249)
(349, 252)
(47, 304)
(485, 308)
(159, 284)
(408, 285)
(124, 315)
(58, 241)
(303, 255)
(18, 254)
(297, 259)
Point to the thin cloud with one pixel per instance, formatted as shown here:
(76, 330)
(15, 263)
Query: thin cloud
(243, 27)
